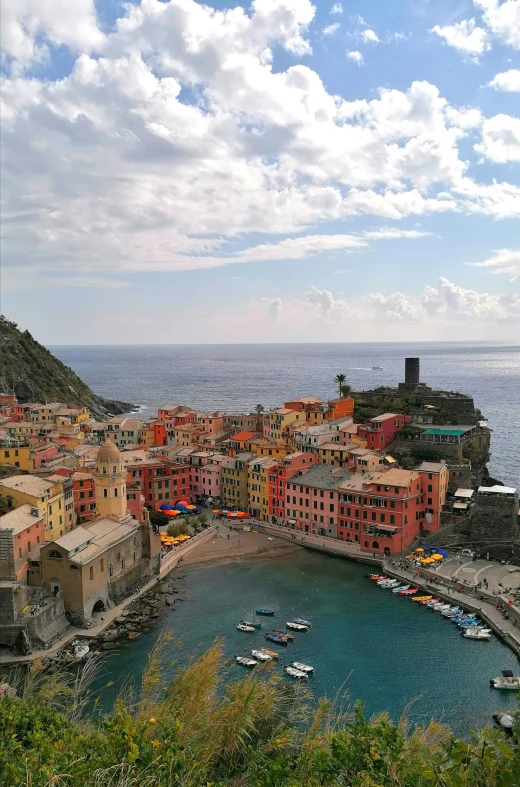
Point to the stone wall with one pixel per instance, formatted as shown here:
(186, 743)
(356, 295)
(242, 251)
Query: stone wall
(141, 572)
(495, 517)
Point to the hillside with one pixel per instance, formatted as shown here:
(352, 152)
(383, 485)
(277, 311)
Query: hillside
(33, 374)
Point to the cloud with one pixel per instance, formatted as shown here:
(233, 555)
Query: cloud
(337, 8)
(500, 139)
(507, 81)
(465, 36)
(502, 19)
(504, 261)
(356, 57)
(275, 304)
(330, 29)
(369, 36)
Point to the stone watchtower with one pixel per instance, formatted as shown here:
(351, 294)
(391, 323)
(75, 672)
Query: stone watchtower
(110, 483)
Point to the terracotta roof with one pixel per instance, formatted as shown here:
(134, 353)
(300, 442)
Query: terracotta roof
(243, 437)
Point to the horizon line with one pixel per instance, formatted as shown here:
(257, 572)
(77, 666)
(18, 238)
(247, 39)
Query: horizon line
(481, 342)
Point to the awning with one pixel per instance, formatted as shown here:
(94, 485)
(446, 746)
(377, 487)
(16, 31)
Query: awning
(291, 521)
(385, 528)
(460, 506)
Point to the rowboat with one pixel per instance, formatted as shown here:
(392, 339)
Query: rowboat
(261, 655)
(303, 622)
(388, 583)
(421, 598)
(244, 661)
(272, 653)
(450, 613)
(278, 639)
(254, 623)
(375, 577)
(262, 611)
(426, 603)
(432, 603)
(303, 667)
(296, 626)
(398, 588)
(287, 634)
(295, 673)
(243, 627)
(408, 592)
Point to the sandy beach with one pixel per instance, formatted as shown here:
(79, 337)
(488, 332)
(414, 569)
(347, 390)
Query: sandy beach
(239, 546)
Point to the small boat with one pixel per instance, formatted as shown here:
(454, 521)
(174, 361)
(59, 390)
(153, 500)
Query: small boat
(506, 681)
(390, 583)
(377, 368)
(244, 661)
(272, 653)
(80, 652)
(375, 577)
(505, 721)
(450, 613)
(398, 588)
(432, 603)
(421, 598)
(254, 623)
(278, 639)
(261, 655)
(408, 592)
(262, 611)
(286, 634)
(303, 622)
(477, 633)
(295, 673)
(243, 627)
(303, 667)
(383, 581)
(296, 626)
(441, 607)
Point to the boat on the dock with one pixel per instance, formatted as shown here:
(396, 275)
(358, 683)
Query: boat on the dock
(297, 674)
(80, 651)
(408, 592)
(472, 633)
(506, 681)
(293, 626)
(243, 627)
(263, 611)
(432, 603)
(303, 622)
(261, 655)
(272, 653)
(398, 588)
(303, 667)
(450, 613)
(254, 623)
(245, 661)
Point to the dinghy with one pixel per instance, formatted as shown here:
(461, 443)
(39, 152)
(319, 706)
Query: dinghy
(253, 623)
(243, 627)
(408, 592)
(261, 655)
(471, 633)
(303, 667)
(506, 681)
(244, 661)
(421, 598)
(296, 626)
(263, 611)
(303, 622)
(278, 639)
(297, 674)
(272, 653)
(399, 588)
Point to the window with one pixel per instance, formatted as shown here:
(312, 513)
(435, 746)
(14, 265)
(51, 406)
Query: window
(91, 571)
(105, 492)
(122, 562)
(55, 555)
(115, 492)
(111, 571)
(430, 501)
(430, 488)
(382, 518)
(81, 495)
(102, 566)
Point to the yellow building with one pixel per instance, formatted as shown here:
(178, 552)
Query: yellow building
(234, 482)
(279, 421)
(186, 436)
(18, 430)
(53, 497)
(258, 486)
(273, 450)
(110, 483)
(17, 457)
(333, 454)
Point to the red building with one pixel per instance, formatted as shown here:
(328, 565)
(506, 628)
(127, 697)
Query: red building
(84, 492)
(7, 399)
(159, 433)
(383, 430)
(303, 404)
(159, 481)
(382, 513)
(288, 467)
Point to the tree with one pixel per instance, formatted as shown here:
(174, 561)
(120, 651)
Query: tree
(177, 528)
(345, 390)
(340, 380)
(159, 519)
(259, 409)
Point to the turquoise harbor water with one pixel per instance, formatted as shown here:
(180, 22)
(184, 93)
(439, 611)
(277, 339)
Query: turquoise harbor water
(382, 648)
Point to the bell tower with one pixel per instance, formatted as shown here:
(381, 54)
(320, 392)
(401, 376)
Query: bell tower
(110, 483)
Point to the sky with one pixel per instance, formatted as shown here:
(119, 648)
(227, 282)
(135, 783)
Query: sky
(274, 171)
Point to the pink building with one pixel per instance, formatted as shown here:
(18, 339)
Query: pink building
(312, 500)
(383, 430)
(211, 480)
(21, 530)
(44, 453)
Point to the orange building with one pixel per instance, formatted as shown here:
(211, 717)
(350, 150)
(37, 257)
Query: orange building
(339, 408)
(434, 477)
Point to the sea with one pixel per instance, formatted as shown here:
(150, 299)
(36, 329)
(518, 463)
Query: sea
(235, 378)
(365, 643)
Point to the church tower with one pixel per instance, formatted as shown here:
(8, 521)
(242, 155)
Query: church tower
(110, 483)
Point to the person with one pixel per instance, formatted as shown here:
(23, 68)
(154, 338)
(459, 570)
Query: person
(228, 536)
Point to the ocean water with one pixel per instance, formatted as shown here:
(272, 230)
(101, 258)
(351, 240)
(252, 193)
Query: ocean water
(378, 647)
(237, 377)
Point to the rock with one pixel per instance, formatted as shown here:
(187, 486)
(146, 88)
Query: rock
(131, 627)
(120, 620)
(109, 646)
(22, 643)
(169, 601)
(154, 615)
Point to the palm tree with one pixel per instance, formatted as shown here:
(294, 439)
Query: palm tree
(340, 379)
(259, 409)
(345, 390)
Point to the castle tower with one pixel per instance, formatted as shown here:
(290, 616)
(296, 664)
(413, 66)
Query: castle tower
(110, 483)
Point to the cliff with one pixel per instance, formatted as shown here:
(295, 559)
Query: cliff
(32, 373)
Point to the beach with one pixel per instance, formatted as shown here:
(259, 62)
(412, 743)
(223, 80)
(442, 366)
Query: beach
(240, 546)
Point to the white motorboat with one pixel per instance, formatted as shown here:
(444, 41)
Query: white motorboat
(388, 583)
(245, 661)
(80, 652)
(298, 674)
(260, 655)
(296, 626)
(506, 681)
(442, 607)
(474, 633)
(303, 667)
(303, 622)
(243, 627)
(398, 588)
(449, 613)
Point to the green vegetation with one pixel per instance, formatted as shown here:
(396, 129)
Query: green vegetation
(6, 504)
(178, 528)
(159, 519)
(340, 380)
(33, 374)
(208, 728)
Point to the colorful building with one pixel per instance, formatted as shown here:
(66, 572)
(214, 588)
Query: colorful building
(383, 430)
(17, 456)
(435, 481)
(21, 530)
(186, 435)
(291, 465)
(278, 422)
(312, 500)
(234, 481)
(303, 403)
(122, 430)
(333, 454)
(54, 496)
(340, 408)
(258, 486)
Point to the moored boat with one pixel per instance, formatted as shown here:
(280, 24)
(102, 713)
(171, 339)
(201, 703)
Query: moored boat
(398, 588)
(477, 633)
(277, 638)
(421, 598)
(506, 681)
(450, 613)
(375, 577)
(441, 607)
(263, 611)
(303, 667)
(295, 673)
(390, 583)
(254, 623)
(408, 592)
(261, 655)
(243, 627)
(432, 603)
(286, 634)
(303, 622)
(272, 653)
(245, 661)
(296, 626)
